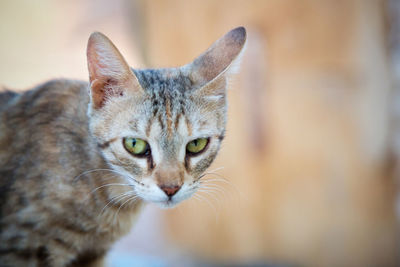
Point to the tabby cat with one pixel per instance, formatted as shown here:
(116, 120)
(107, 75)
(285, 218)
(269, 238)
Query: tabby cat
(78, 160)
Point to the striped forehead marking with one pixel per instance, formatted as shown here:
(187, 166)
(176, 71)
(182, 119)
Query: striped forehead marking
(168, 89)
(168, 115)
(189, 126)
(169, 121)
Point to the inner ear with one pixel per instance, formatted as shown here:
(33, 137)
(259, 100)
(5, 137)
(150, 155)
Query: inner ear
(218, 58)
(101, 90)
(110, 76)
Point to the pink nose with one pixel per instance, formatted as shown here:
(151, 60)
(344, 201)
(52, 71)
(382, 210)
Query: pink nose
(170, 190)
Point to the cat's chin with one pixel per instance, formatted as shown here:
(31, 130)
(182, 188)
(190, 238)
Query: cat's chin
(168, 204)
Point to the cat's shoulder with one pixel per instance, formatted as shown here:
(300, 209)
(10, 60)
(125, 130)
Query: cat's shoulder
(54, 85)
(57, 91)
(6, 95)
(58, 87)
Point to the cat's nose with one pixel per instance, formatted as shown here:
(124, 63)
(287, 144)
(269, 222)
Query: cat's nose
(170, 190)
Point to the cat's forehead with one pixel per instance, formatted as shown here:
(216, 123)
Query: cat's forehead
(167, 92)
(169, 81)
(170, 109)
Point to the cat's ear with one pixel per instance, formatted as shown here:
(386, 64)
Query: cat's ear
(109, 74)
(211, 68)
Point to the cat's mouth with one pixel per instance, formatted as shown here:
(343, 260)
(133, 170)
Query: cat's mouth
(161, 198)
(172, 202)
(167, 204)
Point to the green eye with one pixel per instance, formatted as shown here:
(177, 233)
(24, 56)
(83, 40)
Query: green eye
(136, 146)
(197, 145)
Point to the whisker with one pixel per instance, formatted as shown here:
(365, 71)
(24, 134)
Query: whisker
(214, 187)
(220, 178)
(109, 170)
(106, 185)
(212, 194)
(195, 197)
(90, 171)
(129, 199)
(202, 198)
(217, 169)
(218, 191)
(114, 199)
(217, 178)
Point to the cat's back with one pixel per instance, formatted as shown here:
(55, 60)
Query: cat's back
(31, 125)
(62, 93)
(32, 117)
(24, 113)
(44, 144)
(36, 115)
(31, 109)
(6, 96)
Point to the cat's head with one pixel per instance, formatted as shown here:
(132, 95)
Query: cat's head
(161, 128)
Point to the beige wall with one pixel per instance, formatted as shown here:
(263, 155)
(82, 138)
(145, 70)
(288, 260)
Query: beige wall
(307, 141)
(46, 39)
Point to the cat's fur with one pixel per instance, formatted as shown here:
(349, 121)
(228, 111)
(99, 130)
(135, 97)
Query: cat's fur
(68, 188)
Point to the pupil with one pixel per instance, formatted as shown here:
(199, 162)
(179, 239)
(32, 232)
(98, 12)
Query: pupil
(195, 142)
(133, 142)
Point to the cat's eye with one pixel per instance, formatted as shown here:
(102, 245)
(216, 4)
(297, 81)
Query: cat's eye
(196, 146)
(136, 146)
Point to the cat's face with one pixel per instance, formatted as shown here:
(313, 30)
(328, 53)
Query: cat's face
(161, 129)
(152, 140)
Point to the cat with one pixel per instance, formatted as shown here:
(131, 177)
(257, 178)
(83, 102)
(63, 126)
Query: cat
(79, 160)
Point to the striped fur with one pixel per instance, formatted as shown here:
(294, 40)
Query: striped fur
(68, 188)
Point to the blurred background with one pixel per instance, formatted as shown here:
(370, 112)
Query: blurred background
(312, 153)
